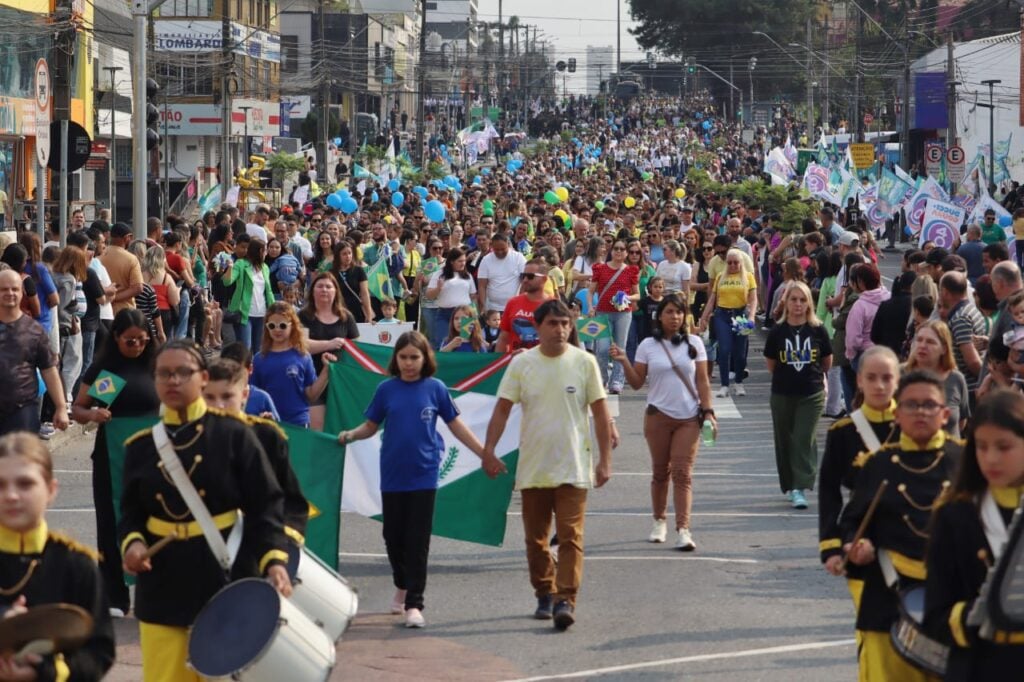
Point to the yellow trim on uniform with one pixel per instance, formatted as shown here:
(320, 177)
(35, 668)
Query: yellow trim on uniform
(164, 652)
(1007, 498)
(831, 543)
(956, 624)
(192, 529)
(32, 542)
(74, 545)
(856, 588)
(879, 416)
(132, 537)
(840, 423)
(1002, 637)
(295, 535)
(62, 673)
(878, 660)
(911, 568)
(254, 419)
(193, 412)
(271, 556)
(908, 444)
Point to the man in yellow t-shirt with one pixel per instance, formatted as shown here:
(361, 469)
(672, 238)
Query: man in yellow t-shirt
(716, 266)
(555, 383)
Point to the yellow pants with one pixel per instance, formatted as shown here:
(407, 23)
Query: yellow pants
(164, 652)
(879, 661)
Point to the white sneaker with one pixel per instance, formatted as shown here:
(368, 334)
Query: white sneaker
(659, 531)
(684, 541)
(116, 612)
(723, 392)
(414, 618)
(398, 602)
(739, 390)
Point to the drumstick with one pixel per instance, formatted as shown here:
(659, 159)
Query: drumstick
(160, 544)
(866, 520)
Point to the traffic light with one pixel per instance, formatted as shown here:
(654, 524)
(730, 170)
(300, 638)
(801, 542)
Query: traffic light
(559, 65)
(691, 65)
(572, 65)
(152, 115)
(752, 63)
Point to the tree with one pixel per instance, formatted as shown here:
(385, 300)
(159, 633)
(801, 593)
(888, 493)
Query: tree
(283, 164)
(310, 127)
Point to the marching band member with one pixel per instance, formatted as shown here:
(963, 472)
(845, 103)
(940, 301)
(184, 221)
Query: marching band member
(229, 469)
(917, 469)
(969, 531)
(847, 439)
(228, 390)
(39, 566)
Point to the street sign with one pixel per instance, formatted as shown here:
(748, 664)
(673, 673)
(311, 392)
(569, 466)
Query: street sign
(956, 164)
(863, 154)
(869, 119)
(43, 101)
(933, 154)
(79, 146)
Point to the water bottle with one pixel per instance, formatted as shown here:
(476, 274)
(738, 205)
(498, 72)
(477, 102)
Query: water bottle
(707, 433)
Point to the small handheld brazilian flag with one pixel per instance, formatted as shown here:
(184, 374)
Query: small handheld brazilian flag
(593, 328)
(466, 326)
(107, 387)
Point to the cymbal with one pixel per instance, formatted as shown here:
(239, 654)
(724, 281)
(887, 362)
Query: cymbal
(66, 625)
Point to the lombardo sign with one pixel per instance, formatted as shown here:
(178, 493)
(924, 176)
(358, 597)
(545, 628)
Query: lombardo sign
(43, 102)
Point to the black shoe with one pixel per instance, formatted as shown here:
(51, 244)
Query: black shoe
(545, 605)
(563, 615)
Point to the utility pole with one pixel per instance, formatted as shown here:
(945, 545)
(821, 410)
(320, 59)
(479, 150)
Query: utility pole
(501, 31)
(422, 85)
(323, 96)
(112, 173)
(951, 97)
(810, 88)
(825, 101)
(732, 93)
(227, 169)
(991, 133)
(618, 37)
(859, 122)
(905, 110)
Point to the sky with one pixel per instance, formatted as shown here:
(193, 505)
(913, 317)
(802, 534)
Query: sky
(570, 25)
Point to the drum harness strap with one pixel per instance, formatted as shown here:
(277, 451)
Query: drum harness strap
(867, 435)
(995, 528)
(225, 553)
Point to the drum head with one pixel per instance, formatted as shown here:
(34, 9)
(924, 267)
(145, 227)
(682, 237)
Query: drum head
(234, 627)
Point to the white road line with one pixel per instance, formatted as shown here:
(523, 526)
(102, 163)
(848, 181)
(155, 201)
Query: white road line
(677, 556)
(789, 648)
(71, 510)
(367, 555)
(695, 473)
(810, 517)
(72, 471)
(725, 408)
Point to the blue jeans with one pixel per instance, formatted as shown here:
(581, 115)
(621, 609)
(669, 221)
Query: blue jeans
(183, 307)
(619, 323)
(439, 326)
(250, 333)
(732, 347)
(24, 418)
(633, 340)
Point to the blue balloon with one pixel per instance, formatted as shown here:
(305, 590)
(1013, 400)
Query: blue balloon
(907, 231)
(706, 125)
(486, 170)
(334, 201)
(375, 196)
(477, 180)
(421, 190)
(1005, 220)
(394, 184)
(337, 142)
(397, 199)
(349, 205)
(343, 194)
(434, 210)
(451, 180)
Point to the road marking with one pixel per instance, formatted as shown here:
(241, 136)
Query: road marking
(695, 473)
(783, 515)
(743, 653)
(725, 408)
(367, 555)
(71, 510)
(678, 556)
(72, 471)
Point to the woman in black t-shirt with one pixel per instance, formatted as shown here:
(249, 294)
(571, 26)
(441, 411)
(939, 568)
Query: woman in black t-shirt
(128, 354)
(355, 288)
(799, 355)
(327, 325)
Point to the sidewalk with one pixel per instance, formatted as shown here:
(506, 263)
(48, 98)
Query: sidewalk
(376, 648)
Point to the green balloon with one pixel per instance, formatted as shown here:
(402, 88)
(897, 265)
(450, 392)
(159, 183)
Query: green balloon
(489, 204)
(551, 198)
(647, 176)
(489, 210)
(599, 205)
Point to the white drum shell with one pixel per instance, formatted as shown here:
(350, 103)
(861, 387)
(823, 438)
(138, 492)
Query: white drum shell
(324, 596)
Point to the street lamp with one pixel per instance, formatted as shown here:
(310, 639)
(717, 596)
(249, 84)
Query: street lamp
(991, 133)
(752, 64)
(245, 135)
(112, 170)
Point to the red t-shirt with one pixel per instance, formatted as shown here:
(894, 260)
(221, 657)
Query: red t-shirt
(517, 322)
(603, 274)
(175, 263)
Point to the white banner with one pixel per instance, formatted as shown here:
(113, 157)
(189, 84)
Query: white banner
(941, 223)
(382, 333)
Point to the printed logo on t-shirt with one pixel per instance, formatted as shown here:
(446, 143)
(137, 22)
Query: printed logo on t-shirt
(798, 354)
(570, 389)
(524, 328)
(428, 414)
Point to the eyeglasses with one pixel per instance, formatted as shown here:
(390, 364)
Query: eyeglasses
(928, 407)
(182, 374)
(317, 220)
(708, 248)
(635, 252)
(437, 248)
(132, 341)
(529, 276)
(274, 326)
(618, 248)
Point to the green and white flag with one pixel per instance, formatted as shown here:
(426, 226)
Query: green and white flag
(469, 505)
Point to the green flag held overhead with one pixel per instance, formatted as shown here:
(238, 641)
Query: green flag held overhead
(317, 459)
(593, 328)
(107, 387)
(469, 505)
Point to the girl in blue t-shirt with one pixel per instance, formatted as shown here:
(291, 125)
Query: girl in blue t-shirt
(410, 460)
(284, 368)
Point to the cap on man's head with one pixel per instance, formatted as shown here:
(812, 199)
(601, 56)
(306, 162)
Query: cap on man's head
(444, 232)
(849, 238)
(686, 209)
(120, 230)
(936, 256)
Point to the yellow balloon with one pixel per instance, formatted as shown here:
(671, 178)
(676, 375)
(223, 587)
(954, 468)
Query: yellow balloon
(561, 214)
(562, 193)
(680, 193)
(629, 202)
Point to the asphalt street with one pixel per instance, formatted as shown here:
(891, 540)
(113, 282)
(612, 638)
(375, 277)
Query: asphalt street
(752, 603)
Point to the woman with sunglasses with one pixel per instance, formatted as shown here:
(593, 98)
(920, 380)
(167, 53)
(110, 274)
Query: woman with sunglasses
(610, 280)
(432, 263)
(230, 470)
(635, 256)
(127, 355)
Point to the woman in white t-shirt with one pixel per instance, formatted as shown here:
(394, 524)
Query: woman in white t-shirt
(678, 402)
(674, 270)
(450, 288)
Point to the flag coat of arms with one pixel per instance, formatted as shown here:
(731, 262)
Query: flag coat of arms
(469, 505)
(107, 387)
(593, 328)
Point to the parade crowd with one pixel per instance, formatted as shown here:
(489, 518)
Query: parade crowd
(599, 262)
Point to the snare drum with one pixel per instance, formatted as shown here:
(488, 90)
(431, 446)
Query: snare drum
(909, 639)
(320, 593)
(251, 633)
